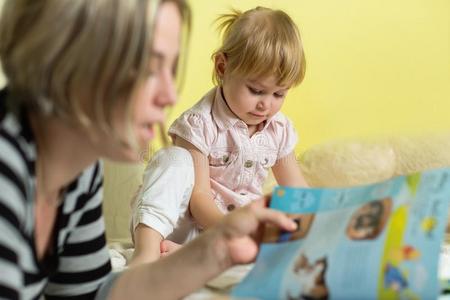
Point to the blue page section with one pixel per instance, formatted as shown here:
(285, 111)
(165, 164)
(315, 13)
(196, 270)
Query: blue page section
(369, 242)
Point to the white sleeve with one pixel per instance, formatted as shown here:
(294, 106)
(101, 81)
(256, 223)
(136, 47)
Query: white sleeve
(165, 191)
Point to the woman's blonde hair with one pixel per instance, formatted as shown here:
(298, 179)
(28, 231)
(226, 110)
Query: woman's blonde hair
(78, 60)
(259, 43)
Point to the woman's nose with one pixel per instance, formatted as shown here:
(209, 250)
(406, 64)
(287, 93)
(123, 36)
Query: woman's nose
(168, 93)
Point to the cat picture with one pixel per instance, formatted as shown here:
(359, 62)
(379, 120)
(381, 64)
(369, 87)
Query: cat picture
(311, 278)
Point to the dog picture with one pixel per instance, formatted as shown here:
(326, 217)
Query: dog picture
(369, 220)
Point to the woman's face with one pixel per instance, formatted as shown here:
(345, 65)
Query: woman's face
(155, 92)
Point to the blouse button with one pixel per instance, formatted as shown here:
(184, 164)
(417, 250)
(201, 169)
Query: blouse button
(248, 164)
(231, 207)
(226, 159)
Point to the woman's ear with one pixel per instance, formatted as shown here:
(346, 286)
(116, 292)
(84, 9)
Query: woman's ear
(220, 62)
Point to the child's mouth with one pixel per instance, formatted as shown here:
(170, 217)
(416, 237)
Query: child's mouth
(257, 115)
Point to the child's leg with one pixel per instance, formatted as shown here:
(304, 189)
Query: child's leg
(161, 201)
(147, 245)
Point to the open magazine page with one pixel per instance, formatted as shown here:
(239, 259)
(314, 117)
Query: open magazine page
(380, 241)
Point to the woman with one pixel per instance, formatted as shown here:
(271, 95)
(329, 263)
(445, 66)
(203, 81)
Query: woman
(89, 79)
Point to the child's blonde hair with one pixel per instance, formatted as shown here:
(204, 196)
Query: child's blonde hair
(259, 43)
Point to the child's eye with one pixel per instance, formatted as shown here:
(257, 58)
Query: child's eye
(255, 91)
(278, 95)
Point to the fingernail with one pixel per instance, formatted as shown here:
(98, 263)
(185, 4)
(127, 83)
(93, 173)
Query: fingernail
(293, 225)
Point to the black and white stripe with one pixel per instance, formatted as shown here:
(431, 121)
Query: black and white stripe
(80, 265)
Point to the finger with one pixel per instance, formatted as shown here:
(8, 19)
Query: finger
(277, 218)
(250, 218)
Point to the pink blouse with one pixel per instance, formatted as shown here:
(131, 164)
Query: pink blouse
(238, 163)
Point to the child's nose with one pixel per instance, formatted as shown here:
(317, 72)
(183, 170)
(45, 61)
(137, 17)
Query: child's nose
(264, 104)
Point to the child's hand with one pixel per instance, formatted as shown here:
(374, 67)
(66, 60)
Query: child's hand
(168, 247)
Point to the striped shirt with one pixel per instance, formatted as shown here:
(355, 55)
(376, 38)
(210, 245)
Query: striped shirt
(79, 266)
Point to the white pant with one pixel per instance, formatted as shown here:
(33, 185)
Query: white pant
(162, 200)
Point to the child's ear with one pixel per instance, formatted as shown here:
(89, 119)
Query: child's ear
(220, 64)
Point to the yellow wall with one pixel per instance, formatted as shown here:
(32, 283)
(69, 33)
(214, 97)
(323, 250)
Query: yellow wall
(373, 67)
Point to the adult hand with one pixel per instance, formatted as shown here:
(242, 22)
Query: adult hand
(235, 240)
(240, 231)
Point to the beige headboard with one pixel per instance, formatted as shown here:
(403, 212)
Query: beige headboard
(120, 184)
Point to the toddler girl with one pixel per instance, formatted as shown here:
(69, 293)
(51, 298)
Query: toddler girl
(233, 135)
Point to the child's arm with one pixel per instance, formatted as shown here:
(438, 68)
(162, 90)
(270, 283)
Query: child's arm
(202, 205)
(287, 172)
(147, 245)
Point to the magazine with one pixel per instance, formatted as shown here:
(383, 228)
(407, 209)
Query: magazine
(379, 241)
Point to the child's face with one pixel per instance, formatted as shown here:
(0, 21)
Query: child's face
(253, 100)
